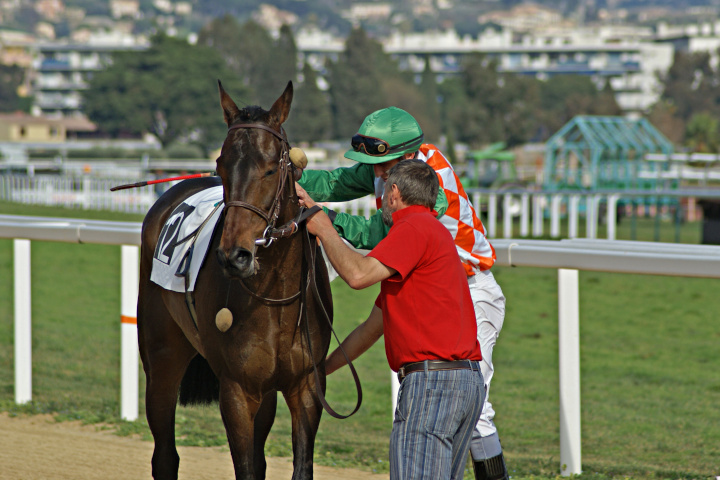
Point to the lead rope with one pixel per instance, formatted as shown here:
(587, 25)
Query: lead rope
(311, 247)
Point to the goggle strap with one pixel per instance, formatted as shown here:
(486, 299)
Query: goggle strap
(410, 143)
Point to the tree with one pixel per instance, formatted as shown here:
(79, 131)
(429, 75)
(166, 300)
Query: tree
(282, 66)
(689, 85)
(11, 77)
(689, 88)
(566, 96)
(169, 90)
(428, 89)
(703, 133)
(470, 102)
(662, 115)
(520, 98)
(310, 118)
(354, 81)
(261, 63)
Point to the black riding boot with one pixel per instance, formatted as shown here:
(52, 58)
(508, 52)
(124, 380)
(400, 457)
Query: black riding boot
(491, 469)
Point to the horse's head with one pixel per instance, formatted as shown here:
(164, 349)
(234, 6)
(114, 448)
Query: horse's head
(257, 179)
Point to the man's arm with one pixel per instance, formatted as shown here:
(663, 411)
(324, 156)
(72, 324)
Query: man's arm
(361, 232)
(357, 270)
(363, 337)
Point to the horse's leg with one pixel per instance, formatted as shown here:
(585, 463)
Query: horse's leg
(264, 420)
(238, 412)
(165, 354)
(305, 409)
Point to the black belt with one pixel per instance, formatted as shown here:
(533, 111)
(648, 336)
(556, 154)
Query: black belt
(409, 368)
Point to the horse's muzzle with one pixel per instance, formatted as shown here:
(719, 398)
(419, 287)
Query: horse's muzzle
(240, 262)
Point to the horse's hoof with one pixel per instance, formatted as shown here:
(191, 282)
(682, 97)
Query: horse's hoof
(223, 320)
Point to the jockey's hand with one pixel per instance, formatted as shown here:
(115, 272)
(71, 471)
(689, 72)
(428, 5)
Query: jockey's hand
(303, 197)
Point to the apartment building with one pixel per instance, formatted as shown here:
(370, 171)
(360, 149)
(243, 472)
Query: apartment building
(62, 71)
(628, 59)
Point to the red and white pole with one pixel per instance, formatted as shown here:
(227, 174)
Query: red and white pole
(129, 338)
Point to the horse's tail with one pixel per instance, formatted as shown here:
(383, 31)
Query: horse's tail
(199, 385)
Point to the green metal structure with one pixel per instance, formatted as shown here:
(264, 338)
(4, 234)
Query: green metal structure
(491, 167)
(602, 152)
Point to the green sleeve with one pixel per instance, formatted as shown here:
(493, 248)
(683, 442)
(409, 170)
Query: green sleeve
(361, 232)
(366, 233)
(339, 185)
(441, 204)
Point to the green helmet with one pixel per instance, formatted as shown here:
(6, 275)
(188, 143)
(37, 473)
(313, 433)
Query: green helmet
(385, 135)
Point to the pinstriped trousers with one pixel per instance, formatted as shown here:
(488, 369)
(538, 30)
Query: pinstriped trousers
(436, 413)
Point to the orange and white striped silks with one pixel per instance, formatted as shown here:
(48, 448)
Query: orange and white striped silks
(468, 232)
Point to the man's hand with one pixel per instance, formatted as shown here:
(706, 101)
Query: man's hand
(303, 197)
(319, 224)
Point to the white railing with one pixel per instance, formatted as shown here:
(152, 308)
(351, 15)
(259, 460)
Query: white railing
(93, 193)
(568, 256)
(88, 193)
(522, 210)
(532, 207)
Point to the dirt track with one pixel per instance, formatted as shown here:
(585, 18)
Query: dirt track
(38, 448)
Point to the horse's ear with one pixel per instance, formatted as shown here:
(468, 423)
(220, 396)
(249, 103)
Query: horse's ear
(230, 110)
(281, 108)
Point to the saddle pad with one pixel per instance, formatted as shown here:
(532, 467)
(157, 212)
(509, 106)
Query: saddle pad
(183, 232)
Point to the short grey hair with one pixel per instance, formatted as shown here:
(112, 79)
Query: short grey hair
(417, 182)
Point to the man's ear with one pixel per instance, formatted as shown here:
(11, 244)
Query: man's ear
(394, 194)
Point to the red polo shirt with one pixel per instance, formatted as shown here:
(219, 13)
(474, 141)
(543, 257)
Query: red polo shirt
(427, 310)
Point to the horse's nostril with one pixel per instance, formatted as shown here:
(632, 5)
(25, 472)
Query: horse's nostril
(241, 257)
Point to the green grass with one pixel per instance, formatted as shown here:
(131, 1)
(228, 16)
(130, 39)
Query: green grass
(649, 363)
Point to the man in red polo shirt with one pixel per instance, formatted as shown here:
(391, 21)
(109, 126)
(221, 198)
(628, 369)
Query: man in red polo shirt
(428, 321)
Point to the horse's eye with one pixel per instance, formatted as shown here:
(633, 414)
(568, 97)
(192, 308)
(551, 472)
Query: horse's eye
(270, 172)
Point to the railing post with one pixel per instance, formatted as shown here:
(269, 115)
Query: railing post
(573, 214)
(538, 216)
(555, 203)
(86, 193)
(128, 334)
(569, 353)
(507, 216)
(23, 321)
(612, 216)
(524, 215)
(492, 215)
(590, 216)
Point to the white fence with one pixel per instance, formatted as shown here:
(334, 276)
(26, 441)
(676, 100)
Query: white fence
(523, 210)
(568, 256)
(88, 193)
(531, 208)
(93, 193)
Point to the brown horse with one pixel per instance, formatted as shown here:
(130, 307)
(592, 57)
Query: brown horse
(279, 333)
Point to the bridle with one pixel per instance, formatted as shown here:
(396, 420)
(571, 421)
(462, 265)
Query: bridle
(271, 233)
